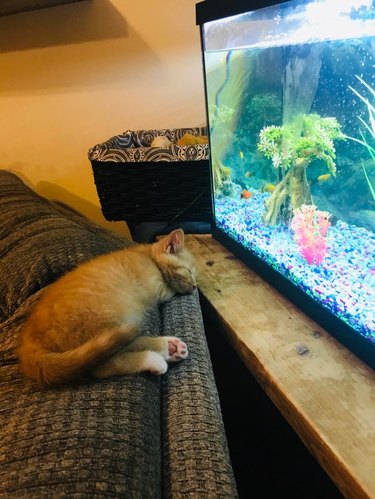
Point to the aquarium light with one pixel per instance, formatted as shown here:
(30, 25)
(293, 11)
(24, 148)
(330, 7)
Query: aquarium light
(341, 20)
(292, 23)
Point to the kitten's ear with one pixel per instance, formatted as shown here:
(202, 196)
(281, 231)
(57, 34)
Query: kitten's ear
(174, 242)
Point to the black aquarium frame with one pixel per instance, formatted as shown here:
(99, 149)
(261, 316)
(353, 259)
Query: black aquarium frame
(211, 10)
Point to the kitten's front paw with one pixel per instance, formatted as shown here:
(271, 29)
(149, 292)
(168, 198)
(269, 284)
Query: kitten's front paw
(177, 349)
(156, 364)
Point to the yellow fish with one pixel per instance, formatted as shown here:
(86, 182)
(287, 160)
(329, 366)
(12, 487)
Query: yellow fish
(268, 188)
(242, 155)
(227, 171)
(323, 178)
(248, 174)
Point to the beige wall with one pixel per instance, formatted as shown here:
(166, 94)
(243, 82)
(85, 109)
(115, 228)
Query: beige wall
(74, 75)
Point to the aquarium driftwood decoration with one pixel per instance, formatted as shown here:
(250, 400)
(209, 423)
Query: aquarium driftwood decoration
(292, 148)
(300, 80)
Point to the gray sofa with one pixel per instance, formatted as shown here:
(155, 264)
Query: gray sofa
(136, 436)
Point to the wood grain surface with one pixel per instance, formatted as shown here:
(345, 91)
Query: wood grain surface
(324, 391)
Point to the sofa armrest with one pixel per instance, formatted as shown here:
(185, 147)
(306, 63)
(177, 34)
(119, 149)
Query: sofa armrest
(195, 451)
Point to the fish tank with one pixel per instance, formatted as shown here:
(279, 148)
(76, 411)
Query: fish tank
(290, 98)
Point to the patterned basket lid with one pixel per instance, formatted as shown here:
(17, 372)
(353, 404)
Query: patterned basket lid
(134, 146)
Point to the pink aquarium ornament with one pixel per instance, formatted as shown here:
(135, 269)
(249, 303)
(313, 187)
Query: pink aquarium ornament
(310, 228)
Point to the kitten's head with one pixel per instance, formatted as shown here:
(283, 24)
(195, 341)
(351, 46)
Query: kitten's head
(175, 262)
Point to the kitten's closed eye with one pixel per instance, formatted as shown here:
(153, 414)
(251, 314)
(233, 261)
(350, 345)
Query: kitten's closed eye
(189, 273)
(185, 271)
(183, 280)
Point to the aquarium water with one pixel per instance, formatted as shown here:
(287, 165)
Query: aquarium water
(291, 109)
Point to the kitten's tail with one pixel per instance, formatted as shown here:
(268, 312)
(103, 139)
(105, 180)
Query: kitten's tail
(57, 368)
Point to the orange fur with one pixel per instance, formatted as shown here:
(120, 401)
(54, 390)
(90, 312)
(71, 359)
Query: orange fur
(87, 321)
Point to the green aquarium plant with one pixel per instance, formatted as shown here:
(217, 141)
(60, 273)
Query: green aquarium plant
(292, 148)
(265, 109)
(370, 127)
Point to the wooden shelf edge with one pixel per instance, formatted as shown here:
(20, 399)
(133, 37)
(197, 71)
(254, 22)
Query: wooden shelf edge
(326, 397)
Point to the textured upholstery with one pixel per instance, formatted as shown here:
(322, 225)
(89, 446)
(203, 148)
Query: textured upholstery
(39, 241)
(136, 436)
(194, 443)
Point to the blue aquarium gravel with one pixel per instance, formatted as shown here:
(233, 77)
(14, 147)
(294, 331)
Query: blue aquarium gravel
(344, 282)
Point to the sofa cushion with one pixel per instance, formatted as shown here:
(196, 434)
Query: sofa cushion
(101, 438)
(39, 241)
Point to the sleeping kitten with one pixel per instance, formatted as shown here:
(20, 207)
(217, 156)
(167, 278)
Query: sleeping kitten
(87, 321)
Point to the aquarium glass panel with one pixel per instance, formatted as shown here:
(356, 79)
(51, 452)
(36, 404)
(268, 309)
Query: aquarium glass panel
(291, 109)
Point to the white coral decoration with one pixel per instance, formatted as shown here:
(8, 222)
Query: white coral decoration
(270, 148)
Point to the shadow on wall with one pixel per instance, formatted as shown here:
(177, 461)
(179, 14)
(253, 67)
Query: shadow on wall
(54, 192)
(71, 55)
(80, 22)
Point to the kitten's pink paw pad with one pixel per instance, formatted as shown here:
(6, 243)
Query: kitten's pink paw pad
(177, 350)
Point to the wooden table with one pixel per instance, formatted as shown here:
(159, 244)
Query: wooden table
(324, 391)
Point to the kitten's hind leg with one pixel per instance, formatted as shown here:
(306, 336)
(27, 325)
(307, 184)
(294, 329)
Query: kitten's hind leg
(126, 362)
(171, 348)
(144, 353)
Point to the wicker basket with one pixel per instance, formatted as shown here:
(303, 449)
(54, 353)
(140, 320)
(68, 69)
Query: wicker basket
(139, 183)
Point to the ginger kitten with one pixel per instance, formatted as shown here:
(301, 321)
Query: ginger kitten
(87, 321)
